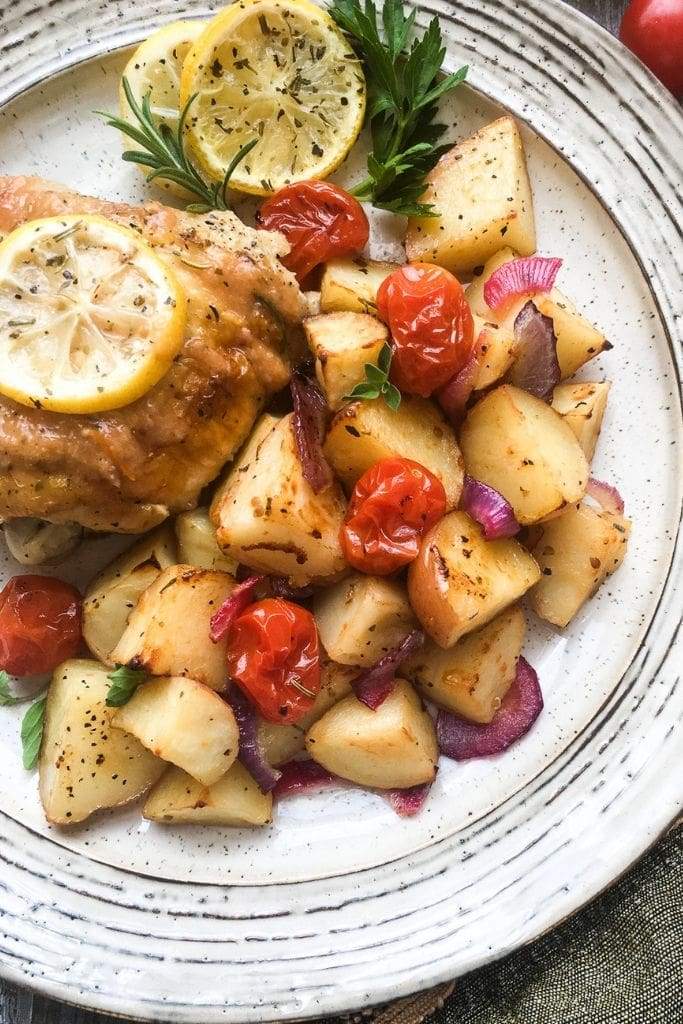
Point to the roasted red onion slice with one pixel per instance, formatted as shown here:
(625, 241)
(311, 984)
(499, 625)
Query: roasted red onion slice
(489, 508)
(522, 704)
(250, 753)
(234, 605)
(606, 495)
(279, 587)
(302, 777)
(408, 802)
(453, 396)
(535, 368)
(526, 276)
(374, 685)
(310, 420)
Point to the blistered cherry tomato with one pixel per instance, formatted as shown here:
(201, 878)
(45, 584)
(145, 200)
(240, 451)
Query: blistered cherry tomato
(431, 326)
(40, 624)
(319, 220)
(653, 29)
(392, 506)
(273, 654)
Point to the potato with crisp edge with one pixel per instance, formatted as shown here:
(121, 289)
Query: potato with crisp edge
(582, 407)
(352, 283)
(392, 747)
(460, 581)
(342, 344)
(235, 800)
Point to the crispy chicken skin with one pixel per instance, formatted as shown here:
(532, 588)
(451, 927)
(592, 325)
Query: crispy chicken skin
(128, 469)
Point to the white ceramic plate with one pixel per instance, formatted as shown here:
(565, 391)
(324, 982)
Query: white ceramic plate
(340, 903)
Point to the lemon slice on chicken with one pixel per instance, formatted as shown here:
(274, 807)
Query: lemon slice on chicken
(90, 317)
(154, 71)
(279, 71)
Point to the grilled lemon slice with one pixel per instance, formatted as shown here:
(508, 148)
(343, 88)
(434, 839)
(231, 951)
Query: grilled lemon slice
(90, 317)
(154, 71)
(279, 71)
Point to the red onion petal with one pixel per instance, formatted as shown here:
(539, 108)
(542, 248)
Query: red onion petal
(407, 802)
(489, 508)
(250, 753)
(606, 495)
(373, 686)
(234, 605)
(536, 368)
(302, 777)
(452, 397)
(461, 739)
(310, 421)
(526, 276)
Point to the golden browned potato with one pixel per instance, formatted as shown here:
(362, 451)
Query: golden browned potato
(197, 544)
(392, 747)
(183, 722)
(178, 799)
(475, 289)
(268, 517)
(496, 350)
(351, 283)
(582, 406)
(460, 581)
(114, 592)
(342, 344)
(577, 339)
(576, 552)
(517, 444)
(481, 189)
(168, 631)
(471, 678)
(364, 432)
(86, 765)
(362, 617)
(280, 743)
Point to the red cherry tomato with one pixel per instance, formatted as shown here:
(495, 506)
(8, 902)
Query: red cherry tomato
(273, 654)
(40, 624)
(393, 504)
(319, 220)
(653, 29)
(431, 326)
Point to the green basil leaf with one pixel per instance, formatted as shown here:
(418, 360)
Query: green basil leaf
(124, 682)
(32, 733)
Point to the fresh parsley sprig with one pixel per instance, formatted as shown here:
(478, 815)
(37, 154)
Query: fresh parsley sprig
(163, 151)
(124, 682)
(377, 381)
(404, 84)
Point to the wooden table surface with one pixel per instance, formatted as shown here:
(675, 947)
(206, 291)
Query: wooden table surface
(18, 1006)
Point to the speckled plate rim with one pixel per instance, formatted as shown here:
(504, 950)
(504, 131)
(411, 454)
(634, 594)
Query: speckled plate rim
(553, 68)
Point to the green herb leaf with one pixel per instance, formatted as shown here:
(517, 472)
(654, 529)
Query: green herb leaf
(377, 381)
(163, 151)
(404, 84)
(7, 698)
(124, 682)
(32, 733)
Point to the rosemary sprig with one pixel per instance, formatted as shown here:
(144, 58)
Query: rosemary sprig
(404, 85)
(163, 151)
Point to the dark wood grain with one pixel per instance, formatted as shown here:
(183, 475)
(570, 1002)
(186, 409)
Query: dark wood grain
(18, 1006)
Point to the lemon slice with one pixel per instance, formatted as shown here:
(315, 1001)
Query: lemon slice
(90, 317)
(154, 71)
(279, 71)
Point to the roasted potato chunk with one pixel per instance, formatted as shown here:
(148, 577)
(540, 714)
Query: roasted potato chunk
(577, 339)
(475, 289)
(280, 743)
(178, 799)
(184, 722)
(86, 765)
(392, 747)
(197, 544)
(115, 592)
(460, 581)
(496, 351)
(517, 444)
(582, 407)
(576, 552)
(342, 344)
(364, 432)
(352, 284)
(471, 678)
(268, 517)
(481, 189)
(168, 631)
(362, 617)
